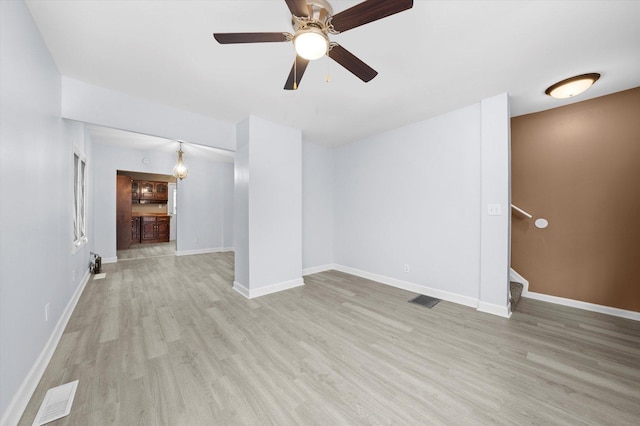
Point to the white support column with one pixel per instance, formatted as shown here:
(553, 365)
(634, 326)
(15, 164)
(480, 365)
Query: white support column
(267, 208)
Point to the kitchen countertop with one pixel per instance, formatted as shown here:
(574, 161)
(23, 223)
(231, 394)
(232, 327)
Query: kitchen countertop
(149, 214)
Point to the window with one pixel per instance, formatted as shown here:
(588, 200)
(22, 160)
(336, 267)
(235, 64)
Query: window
(79, 199)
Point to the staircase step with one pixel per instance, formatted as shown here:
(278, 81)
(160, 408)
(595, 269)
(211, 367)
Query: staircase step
(516, 293)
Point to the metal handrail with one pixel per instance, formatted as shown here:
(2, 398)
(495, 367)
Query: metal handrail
(519, 210)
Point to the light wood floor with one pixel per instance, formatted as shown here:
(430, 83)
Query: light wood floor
(142, 251)
(166, 341)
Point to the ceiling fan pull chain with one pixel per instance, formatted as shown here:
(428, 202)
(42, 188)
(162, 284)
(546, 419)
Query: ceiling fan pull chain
(328, 63)
(295, 70)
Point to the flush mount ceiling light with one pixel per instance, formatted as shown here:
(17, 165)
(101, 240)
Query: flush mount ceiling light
(180, 170)
(572, 86)
(311, 43)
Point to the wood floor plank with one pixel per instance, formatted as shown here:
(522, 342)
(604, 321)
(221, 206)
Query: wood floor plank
(167, 341)
(154, 342)
(163, 391)
(168, 324)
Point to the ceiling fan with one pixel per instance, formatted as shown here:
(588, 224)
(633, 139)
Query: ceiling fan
(313, 21)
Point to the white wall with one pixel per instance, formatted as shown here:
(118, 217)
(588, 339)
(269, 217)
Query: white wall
(227, 181)
(275, 203)
(202, 202)
(496, 191)
(36, 215)
(241, 204)
(411, 196)
(317, 207)
(201, 196)
(96, 105)
(273, 198)
(417, 197)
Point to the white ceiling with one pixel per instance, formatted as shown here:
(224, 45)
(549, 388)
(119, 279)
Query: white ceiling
(431, 59)
(125, 139)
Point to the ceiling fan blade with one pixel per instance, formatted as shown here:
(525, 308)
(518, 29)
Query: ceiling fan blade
(230, 38)
(368, 11)
(298, 8)
(348, 60)
(297, 70)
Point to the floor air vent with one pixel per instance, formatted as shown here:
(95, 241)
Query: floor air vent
(427, 301)
(57, 403)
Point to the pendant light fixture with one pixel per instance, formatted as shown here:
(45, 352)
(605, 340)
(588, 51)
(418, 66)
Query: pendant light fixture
(572, 86)
(180, 170)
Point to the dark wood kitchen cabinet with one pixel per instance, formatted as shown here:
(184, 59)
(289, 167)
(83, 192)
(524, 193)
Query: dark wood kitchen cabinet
(150, 190)
(123, 212)
(135, 191)
(135, 230)
(162, 191)
(154, 229)
(147, 190)
(163, 228)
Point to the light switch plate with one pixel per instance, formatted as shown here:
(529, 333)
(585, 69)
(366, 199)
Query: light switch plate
(494, 210)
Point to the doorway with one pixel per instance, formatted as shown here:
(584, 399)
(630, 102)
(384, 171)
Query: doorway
(145, 215)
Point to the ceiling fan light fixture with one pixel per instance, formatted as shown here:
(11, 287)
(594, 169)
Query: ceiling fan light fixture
(572, 86)
(312, 22)
(311, 43)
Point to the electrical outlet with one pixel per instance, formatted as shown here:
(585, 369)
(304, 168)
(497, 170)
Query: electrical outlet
(406, 268)
(46, 313)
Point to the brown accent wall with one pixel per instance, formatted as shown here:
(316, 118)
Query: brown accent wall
(578, 166)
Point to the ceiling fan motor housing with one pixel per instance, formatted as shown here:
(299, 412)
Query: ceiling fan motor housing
(319, 10)
(319, 13)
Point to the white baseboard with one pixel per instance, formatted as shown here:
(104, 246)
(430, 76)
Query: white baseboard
(318, 269)
(490, 308)
(199, 251)
(263, 291)
(516, 277)
(110, 259)
(228, 249)
(241, 289)
(623, 313)
(413, 287)
(20, 400)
